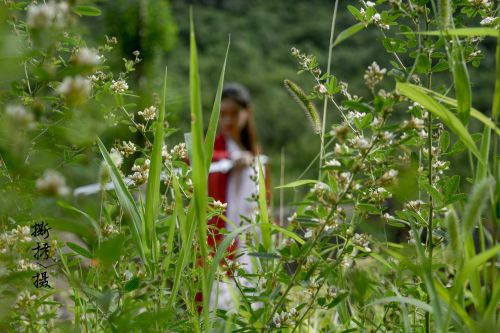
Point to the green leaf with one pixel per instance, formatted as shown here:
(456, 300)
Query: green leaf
(214, 117)
(200, 192)
(464, 32)
(416, 94)
(453, 102)
(92, 221)
(299, 183)
(87, 11)
(407, 300)
(132, 284)
(129, 206)
(461, 81)
(80, 250)
(264, 218)
(154, 182)
(110, 250)
(352, 30)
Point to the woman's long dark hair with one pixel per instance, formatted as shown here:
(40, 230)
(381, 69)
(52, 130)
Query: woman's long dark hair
(241, 96)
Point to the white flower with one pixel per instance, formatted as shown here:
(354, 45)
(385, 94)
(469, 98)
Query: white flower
(116, 157)
(119, 86)
(374, 74)
(219, 205)
(351, 115)
(487, 20)
(360, 142)
(19, 115)
(127, 148)
(23, 265)
(148, 113)
(86, 57)
(308, 234)
(377, 17)
(47, 15)
(52, 183)
(75, 89)
(333, 163)
(370, 4)
(21, 234)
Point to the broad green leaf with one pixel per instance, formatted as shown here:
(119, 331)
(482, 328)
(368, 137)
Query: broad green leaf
(110, 250)
(87, 10)
(299, 183)
(352, 30)
(413, 92)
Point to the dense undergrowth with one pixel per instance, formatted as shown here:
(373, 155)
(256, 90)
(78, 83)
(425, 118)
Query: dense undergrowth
(134, 256)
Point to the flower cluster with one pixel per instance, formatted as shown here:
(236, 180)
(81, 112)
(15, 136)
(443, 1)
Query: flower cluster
(119, 86)
(374, 75)
(285, 318)
(148, 113)
(141, 172)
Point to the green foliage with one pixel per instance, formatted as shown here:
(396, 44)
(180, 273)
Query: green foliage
(390, 237)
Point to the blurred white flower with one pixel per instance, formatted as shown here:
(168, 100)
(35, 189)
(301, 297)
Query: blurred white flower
(75, 90)
(52, 183)
(47, 15)
(487, 20)
(19, 115)
(86, 57)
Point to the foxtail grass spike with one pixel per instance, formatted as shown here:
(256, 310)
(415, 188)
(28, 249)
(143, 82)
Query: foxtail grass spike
(310, 109)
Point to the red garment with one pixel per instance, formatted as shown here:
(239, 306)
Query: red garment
(217, 189)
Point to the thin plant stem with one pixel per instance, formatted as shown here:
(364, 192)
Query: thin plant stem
(325, 103)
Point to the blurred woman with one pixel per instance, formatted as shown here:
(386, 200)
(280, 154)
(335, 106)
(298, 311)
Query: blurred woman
(235, 143)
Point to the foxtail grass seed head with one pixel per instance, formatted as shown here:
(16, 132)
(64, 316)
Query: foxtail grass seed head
(308, 107)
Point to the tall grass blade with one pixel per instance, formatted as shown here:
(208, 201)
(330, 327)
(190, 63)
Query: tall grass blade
(198, 164)
(429, 281)
(264, 218)
(153, 186)
(411, 91)
(129, 206)
(461, 81)
(462, 32)
(479, 196)
(214, 117)
(473, 112)
(472, 215)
